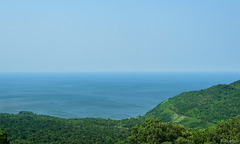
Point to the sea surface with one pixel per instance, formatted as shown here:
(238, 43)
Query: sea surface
(99, 95)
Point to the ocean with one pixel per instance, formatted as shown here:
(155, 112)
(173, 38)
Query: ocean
(99, 95)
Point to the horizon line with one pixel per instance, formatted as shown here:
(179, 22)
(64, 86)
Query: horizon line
(112, 71)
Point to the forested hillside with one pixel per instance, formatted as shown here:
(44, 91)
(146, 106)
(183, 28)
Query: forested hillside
(200, 108)
(153, 131)
(27, 127)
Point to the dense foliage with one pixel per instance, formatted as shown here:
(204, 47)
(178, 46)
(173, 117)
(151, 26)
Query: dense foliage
(154, 131)
(3, 137)
(216, 103)
(200, 108)
(27, 127)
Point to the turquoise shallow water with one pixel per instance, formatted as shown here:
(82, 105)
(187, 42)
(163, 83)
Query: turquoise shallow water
(104, 95)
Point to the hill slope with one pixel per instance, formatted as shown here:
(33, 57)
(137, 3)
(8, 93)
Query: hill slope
(200, 108)
(27, 127)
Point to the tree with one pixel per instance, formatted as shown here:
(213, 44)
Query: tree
(3, 137)
(154, 131)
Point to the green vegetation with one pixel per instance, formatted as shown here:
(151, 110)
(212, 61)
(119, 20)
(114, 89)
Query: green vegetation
(27, 127)
(3, 137)
(202, 108)
(154, 131)
(195, 109)
(165, 112)
(219, 102)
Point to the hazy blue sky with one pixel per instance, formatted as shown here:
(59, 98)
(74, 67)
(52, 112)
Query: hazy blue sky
(122, 35)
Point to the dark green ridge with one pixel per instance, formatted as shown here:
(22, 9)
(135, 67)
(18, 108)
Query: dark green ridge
(27, 127)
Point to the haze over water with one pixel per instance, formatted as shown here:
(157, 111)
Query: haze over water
(104, 95)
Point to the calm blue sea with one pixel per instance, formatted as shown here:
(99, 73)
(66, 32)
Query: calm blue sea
(104, 95)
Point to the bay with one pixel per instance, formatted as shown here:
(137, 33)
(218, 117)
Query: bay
(100, 95)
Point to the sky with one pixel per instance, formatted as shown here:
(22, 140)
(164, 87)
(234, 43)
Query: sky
(119, 35)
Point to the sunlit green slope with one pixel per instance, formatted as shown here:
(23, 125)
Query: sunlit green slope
(200, 108)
